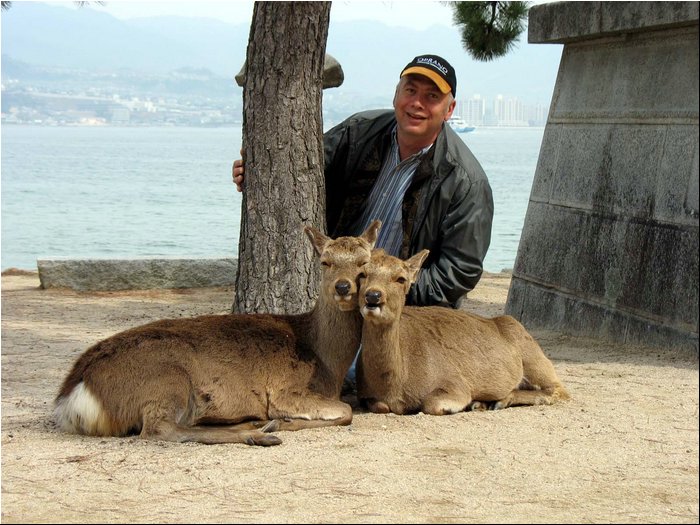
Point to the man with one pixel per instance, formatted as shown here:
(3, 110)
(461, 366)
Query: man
(412, 171)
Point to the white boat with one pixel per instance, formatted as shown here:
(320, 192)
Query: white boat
(459, 125)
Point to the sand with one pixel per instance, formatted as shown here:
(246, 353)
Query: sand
(623, 450)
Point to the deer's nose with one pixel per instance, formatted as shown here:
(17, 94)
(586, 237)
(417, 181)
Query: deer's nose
(342, 288)
(373, 296)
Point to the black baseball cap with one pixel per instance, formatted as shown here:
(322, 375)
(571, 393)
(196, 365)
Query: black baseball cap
(436, 69)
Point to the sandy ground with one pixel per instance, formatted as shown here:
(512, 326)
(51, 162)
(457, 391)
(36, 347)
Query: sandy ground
(624, 450)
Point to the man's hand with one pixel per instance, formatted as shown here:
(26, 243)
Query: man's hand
(237, 173)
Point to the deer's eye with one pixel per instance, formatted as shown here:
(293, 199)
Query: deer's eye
(326, 264)
(401, 280)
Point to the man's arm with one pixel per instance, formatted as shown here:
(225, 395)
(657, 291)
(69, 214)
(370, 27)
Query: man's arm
(465, 234)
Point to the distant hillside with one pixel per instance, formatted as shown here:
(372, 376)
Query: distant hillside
(181, 81)
(372, 54)
(83, 38)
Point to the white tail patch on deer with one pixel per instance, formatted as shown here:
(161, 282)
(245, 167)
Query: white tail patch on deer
(226, 378)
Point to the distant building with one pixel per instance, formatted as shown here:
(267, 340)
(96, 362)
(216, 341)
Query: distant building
(490, 118)
(509, 111)
(537, 115)
(501, 111)
(472, 110)
(120, 116)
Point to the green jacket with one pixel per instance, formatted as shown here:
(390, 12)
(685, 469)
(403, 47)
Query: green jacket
(448, 208)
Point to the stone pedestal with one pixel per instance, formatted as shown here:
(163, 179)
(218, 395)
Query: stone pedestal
(609, 247)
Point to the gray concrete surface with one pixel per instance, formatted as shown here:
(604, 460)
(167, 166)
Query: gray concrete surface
(140, 274)
(609, 247)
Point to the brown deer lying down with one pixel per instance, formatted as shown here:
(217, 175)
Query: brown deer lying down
(226, 378)
(438, 360)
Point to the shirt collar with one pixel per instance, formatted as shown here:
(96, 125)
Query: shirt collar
(395, 146)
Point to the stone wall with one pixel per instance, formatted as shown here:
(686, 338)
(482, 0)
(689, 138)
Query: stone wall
(609, 246)
(139, 274)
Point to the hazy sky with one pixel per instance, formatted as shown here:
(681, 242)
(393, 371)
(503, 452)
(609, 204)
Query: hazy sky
(405, 13)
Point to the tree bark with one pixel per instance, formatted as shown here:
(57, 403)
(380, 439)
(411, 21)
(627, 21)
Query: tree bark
(283, 152)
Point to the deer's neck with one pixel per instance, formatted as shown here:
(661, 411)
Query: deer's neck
(337, 337)
(381, 353)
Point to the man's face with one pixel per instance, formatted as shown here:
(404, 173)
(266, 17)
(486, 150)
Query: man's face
(421, 107)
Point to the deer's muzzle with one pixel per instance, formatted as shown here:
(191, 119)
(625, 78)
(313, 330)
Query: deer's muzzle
(342, 288)
(373, 298)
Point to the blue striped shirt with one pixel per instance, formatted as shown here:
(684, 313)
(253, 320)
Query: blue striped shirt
(386, 198)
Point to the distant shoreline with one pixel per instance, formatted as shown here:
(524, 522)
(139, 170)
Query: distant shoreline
(18, 271)
(222, 125)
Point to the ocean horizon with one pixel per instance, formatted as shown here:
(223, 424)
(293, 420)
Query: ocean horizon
(150, 192)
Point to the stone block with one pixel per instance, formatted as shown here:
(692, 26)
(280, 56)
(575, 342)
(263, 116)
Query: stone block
(609, 247)
(539, 308)
(141, 274)
(651, 76)
(561, 22)
(625, 264)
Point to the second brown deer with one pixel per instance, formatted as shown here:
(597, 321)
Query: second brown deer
(438, 360)
(226, 378)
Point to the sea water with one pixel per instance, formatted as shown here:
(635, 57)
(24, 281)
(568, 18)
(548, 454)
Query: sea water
(134, 192)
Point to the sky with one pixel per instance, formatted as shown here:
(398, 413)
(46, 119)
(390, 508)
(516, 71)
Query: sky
(417, 15)
(405, 13)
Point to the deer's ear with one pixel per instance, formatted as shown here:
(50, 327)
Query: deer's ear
(370, 234)
(414, 264)
(318, 240)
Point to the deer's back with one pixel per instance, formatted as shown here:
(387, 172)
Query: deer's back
(467, 345)
(459, 329)
(251, 349)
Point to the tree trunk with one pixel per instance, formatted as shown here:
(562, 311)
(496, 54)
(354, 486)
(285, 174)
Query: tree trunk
(283, 152)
